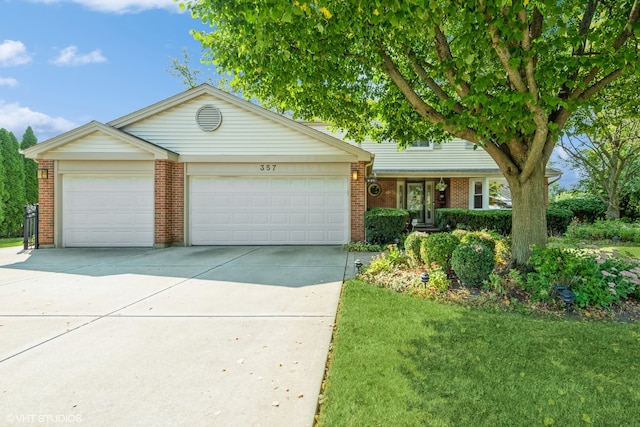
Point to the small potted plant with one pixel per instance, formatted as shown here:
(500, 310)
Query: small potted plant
(441, 186)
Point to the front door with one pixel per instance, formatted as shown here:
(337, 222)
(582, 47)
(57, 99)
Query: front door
(415, 200)
(420, 201)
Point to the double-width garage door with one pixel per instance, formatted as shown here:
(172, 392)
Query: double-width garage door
(107, 211)
(268, 211)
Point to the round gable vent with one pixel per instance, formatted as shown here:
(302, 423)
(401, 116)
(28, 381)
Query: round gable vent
(208, 118)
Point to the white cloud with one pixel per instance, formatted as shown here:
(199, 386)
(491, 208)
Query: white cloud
(8, 81)
(16, 119)
(70, 56)
(12, 53)
(121, 6)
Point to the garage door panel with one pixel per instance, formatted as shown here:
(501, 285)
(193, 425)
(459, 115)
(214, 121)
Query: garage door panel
(107, 211)
(268, 210)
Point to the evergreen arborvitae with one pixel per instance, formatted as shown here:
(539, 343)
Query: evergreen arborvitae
(14, 199)
(3, 179)
(30, 168)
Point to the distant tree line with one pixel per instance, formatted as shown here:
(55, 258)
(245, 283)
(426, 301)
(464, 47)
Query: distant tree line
(18, 181)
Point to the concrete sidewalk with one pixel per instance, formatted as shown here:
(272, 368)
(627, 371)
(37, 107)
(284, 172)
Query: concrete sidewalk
(210, 336)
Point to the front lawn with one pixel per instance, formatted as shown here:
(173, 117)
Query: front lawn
(404, 361)
(8, 242)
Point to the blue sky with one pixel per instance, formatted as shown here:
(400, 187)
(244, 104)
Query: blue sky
(64, 63)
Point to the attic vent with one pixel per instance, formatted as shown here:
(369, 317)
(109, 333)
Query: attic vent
(208, 118)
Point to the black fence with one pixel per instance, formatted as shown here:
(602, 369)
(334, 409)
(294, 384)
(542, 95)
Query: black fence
(31, 226)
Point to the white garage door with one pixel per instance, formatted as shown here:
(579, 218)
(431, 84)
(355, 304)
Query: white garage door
(107, 211)
(268, 211)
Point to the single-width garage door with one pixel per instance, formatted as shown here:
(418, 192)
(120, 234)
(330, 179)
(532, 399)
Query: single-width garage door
(107, 211)
(268, 211)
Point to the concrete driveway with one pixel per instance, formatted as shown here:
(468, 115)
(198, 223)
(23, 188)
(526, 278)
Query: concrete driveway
(200, 336)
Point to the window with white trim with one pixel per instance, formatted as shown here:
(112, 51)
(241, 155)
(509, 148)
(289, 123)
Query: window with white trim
(476, 194)
(425, 144)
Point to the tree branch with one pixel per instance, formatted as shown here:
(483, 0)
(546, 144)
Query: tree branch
(435, 87)
(444, 54)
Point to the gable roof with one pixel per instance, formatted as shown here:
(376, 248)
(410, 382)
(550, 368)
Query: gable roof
(205, 89)
(111, 143)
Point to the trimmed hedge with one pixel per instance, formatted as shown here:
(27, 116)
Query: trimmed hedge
(585, 207)
(498, 220)
(384, 225)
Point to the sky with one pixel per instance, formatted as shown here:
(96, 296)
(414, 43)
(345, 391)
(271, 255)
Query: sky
(64, 63)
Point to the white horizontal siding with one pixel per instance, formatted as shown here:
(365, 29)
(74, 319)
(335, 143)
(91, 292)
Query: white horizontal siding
(240, 133)
(97, 142)
(453, 155)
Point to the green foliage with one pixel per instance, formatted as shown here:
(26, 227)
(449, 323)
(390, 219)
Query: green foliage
(499, 74)
(604, 230)
(437, 248)
(362, 247)
(30, 168)
(584, 206)
(472, 263)
(13, 196)
(596, 278)
(412, 246)
(497, 220)
(384, 225)
(438, 280)
(558, 220)
(503, 250)
(482, 237)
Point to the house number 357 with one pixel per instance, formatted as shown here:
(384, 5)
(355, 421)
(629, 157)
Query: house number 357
(268, 168)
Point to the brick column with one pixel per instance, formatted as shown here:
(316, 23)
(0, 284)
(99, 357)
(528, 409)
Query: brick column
(459, 193)
(162, 203)
(358, 202)
(177, 203)
(46, 202)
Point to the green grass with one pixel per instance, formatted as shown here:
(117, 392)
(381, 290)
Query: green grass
(7, 242)
(402, 361)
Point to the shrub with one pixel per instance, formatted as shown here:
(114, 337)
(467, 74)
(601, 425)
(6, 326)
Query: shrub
(483, 237)
(438, 248)
(498, 220)
(384, 225)
(387, 261)
(472, 263)
(362, 247)
(604, 230)
(503, 250)
(412, 246)
(438, 280)
(584, 206)
(595, 277)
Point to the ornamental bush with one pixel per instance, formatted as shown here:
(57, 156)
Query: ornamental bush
(483, 237)
(383, 225)
(412, 246)
(596, 278)
(473, 263)
(438, 248)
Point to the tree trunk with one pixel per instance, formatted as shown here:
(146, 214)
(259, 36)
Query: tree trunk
(613, 208)
(529, 213)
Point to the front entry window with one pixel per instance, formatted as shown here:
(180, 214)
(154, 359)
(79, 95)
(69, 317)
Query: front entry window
(415, 200)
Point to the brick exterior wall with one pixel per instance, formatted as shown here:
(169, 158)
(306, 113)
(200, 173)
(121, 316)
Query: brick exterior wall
(458, 193)
(46, 198)
(177, 205)
(169, 203)
(388, 194)
(358, 202)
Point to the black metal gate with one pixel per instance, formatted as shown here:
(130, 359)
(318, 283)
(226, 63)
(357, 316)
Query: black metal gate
(31, 226)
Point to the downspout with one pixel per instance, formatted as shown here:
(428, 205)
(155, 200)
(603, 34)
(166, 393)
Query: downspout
(367, 167)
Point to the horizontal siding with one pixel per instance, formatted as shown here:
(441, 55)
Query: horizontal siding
(97, 142)
(453, 155)
(240, 133)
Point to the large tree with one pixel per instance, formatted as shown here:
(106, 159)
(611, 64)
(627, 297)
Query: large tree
(30, 168)
(13, 198)
(503, 74)
(607, 151)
